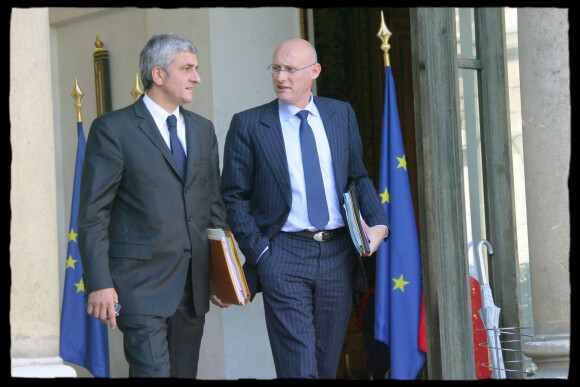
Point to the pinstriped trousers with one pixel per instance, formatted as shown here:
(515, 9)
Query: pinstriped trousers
(307, 288)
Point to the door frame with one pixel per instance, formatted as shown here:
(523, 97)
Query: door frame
(441, 195)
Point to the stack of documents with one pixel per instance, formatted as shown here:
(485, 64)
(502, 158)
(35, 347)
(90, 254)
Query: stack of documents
(353, 217)
(227, 277)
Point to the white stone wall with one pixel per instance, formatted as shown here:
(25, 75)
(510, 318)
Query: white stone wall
(235, 45)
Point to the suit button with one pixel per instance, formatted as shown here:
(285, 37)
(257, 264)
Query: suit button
(186, 190)
(189, 219)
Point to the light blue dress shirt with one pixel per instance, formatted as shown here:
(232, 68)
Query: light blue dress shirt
(298, 216)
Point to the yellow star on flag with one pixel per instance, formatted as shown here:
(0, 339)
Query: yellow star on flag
(385, 196)
(400, 283)
(80, 286)
(402, 162)
(70, 262)
(72, 235)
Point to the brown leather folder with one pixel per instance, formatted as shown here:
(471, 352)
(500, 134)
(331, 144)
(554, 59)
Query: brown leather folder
(227, 277)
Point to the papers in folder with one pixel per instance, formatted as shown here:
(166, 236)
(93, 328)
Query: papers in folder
(227, 277)
(353, 217)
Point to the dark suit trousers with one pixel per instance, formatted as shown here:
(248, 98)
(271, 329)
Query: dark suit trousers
(307, 290)
(164, 346)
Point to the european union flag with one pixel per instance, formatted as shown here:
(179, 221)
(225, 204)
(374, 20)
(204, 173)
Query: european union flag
(83, 338)
(399, 287)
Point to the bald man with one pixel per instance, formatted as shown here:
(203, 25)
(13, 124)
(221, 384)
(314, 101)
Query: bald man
(285, 209)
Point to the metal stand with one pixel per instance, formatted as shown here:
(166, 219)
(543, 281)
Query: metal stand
(515, 335)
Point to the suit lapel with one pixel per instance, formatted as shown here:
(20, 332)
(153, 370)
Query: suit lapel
(193, 138)
(272, 142)
(150, 129)
(336, 138)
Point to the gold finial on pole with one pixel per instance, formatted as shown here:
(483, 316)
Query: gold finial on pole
(77, 95)
(137, 91)
(384, 34)
(99, 45)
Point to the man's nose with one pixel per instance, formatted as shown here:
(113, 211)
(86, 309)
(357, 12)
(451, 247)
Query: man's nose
(280, 75)
(196, 77)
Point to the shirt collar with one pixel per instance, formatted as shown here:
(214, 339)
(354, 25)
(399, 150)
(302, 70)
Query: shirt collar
(159, 114)
(287, 110)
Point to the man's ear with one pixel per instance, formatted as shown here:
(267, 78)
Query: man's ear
(158, 75)
(316, 69)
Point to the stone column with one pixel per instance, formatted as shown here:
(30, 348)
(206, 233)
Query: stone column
(34, 292)
(545, 97)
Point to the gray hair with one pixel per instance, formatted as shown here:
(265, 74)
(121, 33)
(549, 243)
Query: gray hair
(160, 51)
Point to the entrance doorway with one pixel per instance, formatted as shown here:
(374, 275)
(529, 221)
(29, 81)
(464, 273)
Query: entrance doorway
(353, 71)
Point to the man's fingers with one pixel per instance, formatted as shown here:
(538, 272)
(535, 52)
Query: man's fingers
(216, 301)
(112, 316)
(101, 303)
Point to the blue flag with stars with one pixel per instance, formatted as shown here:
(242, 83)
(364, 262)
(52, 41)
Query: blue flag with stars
(399, 287)
(83, 339)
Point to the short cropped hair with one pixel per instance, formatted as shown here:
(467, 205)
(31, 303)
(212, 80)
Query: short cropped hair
(160, 51)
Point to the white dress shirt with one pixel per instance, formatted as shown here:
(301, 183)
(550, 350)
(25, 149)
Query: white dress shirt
(160, 117)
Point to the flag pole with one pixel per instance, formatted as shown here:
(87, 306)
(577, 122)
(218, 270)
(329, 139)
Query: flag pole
(83, 339)
(384, 34)
(399, 309)
(77, 95)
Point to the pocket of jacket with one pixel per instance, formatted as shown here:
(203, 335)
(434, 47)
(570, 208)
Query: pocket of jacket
(130, 250)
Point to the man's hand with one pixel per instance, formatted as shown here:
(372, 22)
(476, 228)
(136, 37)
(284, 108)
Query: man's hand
(101, 303)
(376, 235)
(218, 302)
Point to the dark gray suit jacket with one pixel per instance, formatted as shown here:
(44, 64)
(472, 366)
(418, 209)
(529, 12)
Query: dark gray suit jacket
(139, 223)
(256, 182)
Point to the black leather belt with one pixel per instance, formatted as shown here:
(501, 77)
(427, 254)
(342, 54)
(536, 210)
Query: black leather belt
(320, 236)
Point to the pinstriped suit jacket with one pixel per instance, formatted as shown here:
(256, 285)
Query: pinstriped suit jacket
(256, 182)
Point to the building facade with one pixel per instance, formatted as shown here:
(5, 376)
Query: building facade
(473, 180)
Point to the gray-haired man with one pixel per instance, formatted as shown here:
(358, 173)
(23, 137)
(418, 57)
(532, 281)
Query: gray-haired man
(149, 191)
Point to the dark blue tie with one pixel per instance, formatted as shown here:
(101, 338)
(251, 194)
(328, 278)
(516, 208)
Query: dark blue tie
(176, 147)
(315, 196)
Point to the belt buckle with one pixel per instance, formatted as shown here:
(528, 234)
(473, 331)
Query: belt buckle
(318, 236)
